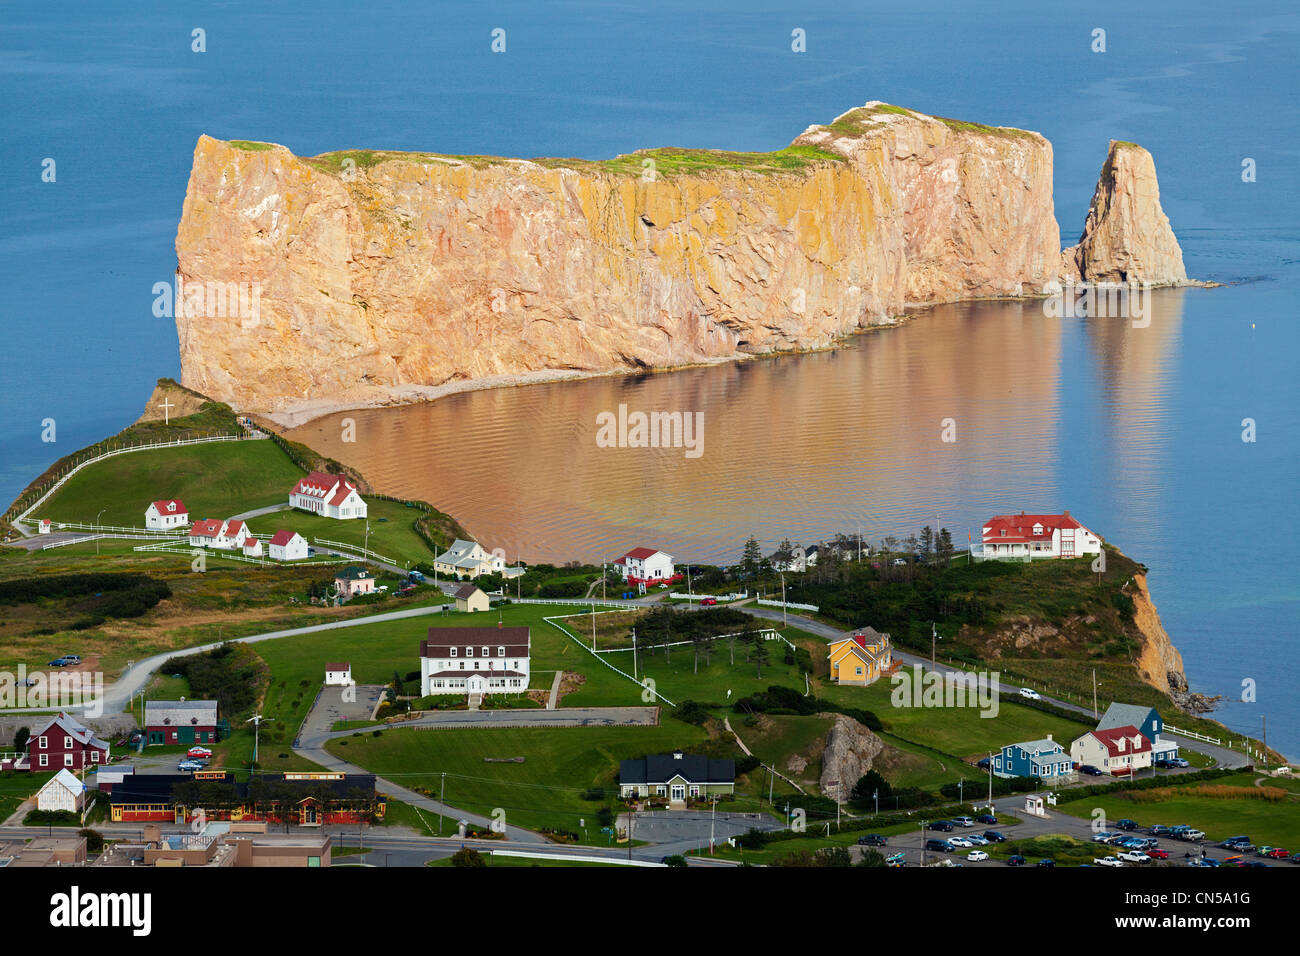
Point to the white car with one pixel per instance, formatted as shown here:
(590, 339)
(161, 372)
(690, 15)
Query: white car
(1134, 856)
(1108, 861)
(962, 842)
(975, 856)
(1104, 836)
(1030, 694)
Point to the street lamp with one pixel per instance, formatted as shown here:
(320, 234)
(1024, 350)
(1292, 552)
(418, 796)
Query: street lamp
(101, 511)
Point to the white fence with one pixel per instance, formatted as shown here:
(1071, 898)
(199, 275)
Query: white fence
(554, 622)
(722, 598)
(1193, 734)
(767, 634)
(84, 526)
(576, 857)
(789, 605)
(575, 602)
(93, 537)
(355, 548)
(122, 450)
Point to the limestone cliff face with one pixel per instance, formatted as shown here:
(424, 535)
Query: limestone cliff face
(386, 277)
(1159, 663)
(1127, 237)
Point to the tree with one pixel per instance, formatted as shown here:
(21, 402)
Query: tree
(868, 785)
(871, 857)
(21, 736)
(751, 558)
(467, 857)
(759, 654)
(927, 543)
(945, 548)
(781, 557)
(675, 860)
(833, 856)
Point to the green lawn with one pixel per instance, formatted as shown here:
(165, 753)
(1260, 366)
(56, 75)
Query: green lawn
(543, 791)
(1275, 824)
(391, 529)
(215, 480)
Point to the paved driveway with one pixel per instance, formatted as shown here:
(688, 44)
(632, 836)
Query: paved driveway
(680, 831)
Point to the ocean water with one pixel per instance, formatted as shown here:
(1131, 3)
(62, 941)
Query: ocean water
(1139, 430)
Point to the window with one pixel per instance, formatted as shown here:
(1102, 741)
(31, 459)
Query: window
(453, 652)
(469, 652)
(67, 743)
(40, 742)
(484, 652)
(45, 760)
(67, 760)
(94, 756)
(501, 652)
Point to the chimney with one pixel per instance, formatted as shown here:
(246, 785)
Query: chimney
(1067, 512)
(1049, 736)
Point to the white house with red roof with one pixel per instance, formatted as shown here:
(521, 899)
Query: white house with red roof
(330, 495)
(166, 515)
(1117, 751)
(646, 564)
(287, 546)
(252, 547)
(1036, 536)
(213, 533)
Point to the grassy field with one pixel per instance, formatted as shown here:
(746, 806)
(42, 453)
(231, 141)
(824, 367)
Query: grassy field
(391, 529)
(215, 481)
(1275, 824)
(543, 791)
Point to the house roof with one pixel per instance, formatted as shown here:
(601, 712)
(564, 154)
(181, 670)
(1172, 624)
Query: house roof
(640, 554)
(459, 550)
(157, 787)
(515, 639)
(341, 666)
(282, 537)
(660, 768)
(1122, 740)
(1045, 745)
(67, 779)
(250, 542)
(163, 506)
(232, 527)
(353, 573)
(180, 713)
(340, 495)
(465, 591)
(207, 528)
(1125, 715)
(455, 672)
(319, 484)
(1020, 528)
(74, 729)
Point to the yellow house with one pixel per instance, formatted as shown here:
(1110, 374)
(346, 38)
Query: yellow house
(860, 657)
(471, 598)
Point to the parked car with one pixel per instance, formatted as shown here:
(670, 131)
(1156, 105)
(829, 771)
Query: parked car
(1126, 824)
(1015, 860)
(1158, 854)
(941, 825)
(1108, 861)
(1230, 861)
(71, 659)
(871, 839)
(983, 763)
(939, 846)
(708, 602)
(1104, 836)
(993, 836)
(1229, 843)
(1134, 856)
(199, 753)
(963, 821)
(1030, 694)
(1192, 834)
(896, 859)
(1162, 764)
(986, 818)
(1046, 861)
(1090, 770)
(58, 662)
(1277, 853)
(1159, 830)
(1178, 762)
(977, 856)
(962, 842)
(189, 765)
(977, 839)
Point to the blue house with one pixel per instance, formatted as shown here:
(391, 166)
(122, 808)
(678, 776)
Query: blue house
(1044, 758)
(1145, 719)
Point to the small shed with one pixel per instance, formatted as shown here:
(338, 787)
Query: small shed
(63, 791)
(338, 674)
(470, 597)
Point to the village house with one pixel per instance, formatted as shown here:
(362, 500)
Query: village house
(1036, 536)
(646, 566)
(1148, 722)
(252, 547)
(475, 660)
(353, 580)
(1045, 759)
(63, 791)
(860, 657)
(180, 721)
(330, 495)
(30, 852)
(309, 798)
(63, 742)
(1116, 751)
(676, 776)
(287, 546)
(224, 535)
(338, 675)
(800, 560)
(166, 515)
(470, 598)
(468, 559)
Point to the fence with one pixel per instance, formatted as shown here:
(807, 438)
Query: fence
(220, 553)
(724, 598)
(789, 605)
(83, 526)
(767, 634)
(356, 548)
(575, 602)
(112, 453)
(1193, 734)
(93, 537)
(553, 621)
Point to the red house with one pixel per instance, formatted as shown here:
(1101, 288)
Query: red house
(64, 743)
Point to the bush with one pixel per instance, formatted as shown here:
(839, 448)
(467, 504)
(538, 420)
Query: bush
(675, 860)
(94, 840)
(692, 712)
(467, 857)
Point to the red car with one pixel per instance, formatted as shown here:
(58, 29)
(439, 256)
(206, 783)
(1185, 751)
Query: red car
(1277, 853)
(1157, 854)
(708, 602)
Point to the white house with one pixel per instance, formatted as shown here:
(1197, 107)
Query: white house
(63, 791)
(338, 675)
(801, 559)
(1148, 722)
(166, 515)
(1036, 536)
(1119, 750)
(330, 495)
(211, 533)
(475, 660)
(645, 564)
(469, 559)
(44, 526)
(287, 546)
(252, 547)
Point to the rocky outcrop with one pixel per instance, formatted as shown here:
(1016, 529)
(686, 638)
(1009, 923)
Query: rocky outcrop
(1127, 237)
(850, 750)
(371, 278)
(1158, 662)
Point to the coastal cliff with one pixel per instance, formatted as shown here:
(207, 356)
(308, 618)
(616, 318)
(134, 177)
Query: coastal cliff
(389, 277)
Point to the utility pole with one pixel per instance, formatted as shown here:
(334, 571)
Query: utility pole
(934, 636)
(256, 721)
(990, 781)
(634, 653)
(593, 626)
(713, 815)
(442, 801)
(1094, 693)
(785, 613)
(602, 580)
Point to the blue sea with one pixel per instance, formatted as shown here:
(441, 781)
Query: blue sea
(115, 95)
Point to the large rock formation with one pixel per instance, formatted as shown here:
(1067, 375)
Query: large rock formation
(1127, 237)
(849, 753)
(383, 277)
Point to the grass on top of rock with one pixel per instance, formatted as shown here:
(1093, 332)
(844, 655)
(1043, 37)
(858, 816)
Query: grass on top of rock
(249, 145)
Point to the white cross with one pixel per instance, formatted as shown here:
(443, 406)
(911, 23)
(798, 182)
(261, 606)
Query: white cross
(167, 407)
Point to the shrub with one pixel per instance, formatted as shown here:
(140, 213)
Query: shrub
(467, 857)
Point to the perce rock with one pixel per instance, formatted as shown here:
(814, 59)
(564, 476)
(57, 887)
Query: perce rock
(388, 277)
